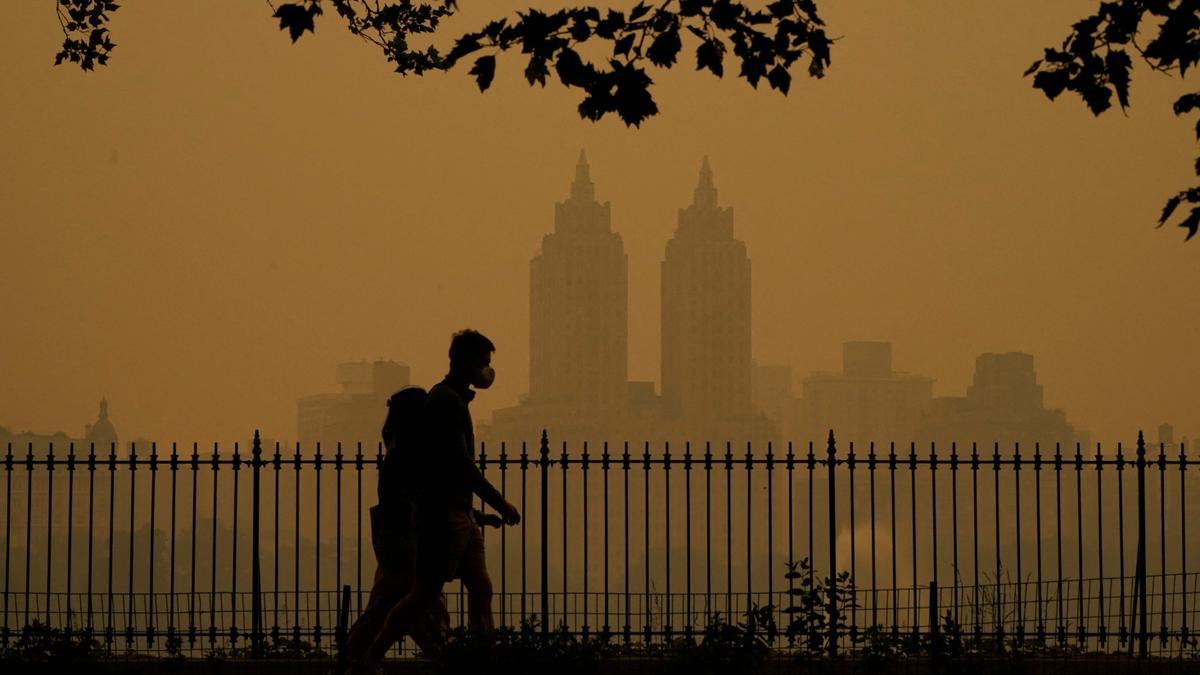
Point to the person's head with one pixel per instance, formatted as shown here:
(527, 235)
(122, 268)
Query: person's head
(471, 358)
(404, 407)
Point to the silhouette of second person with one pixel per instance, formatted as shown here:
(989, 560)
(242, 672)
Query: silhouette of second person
(449, 541)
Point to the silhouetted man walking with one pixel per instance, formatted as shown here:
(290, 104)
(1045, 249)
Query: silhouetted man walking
(449, 542)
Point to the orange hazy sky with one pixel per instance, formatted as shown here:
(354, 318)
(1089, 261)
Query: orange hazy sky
(203, 229)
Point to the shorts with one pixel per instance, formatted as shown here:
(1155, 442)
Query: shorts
(450, 546)
(394, 544)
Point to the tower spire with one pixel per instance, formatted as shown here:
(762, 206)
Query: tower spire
(706, 192)
(103, 408)
(582, 188)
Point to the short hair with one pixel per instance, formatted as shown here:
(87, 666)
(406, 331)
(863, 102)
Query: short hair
(467, 344)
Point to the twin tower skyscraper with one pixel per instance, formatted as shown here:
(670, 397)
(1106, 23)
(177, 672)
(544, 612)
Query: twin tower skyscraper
(579, 387)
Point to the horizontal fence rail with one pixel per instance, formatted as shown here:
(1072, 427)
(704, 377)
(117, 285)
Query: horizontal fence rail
(202, 551)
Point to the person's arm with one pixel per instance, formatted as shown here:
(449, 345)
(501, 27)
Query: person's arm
(459, 462)
(472, 476)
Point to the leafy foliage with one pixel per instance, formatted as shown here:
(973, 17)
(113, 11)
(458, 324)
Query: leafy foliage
(523, 650)
(526, 649)
(766, 42)
(723, 646)
(280, 648)
(1095, 62)
(85, 32)
(819, 607)
(39, 643)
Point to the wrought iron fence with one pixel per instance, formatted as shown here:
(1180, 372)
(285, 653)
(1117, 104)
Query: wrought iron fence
(642, 543)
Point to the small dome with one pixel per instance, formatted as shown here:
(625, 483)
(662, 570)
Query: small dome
(102, 433)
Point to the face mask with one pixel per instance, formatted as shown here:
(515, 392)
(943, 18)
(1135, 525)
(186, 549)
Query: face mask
(485, 377)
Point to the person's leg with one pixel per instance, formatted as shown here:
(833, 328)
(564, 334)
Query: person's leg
(385, 592)
(437, 551)
(392, 580)
(443, 615)
(474, 574)
(429, 631)
(426, 631)
(405, 617)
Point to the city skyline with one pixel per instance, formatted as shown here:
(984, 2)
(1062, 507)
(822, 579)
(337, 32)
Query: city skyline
(581, 212)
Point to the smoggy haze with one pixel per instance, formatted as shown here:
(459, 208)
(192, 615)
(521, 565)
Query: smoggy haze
(203, 229)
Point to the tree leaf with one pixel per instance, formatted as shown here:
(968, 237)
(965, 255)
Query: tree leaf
(753, 68)
(818, 43)
(690, 7)
(1172, 204)
(1097, 97)
(1051, 82)
(580, 30)
(632, 99)
(622, 46)
(612, 22)
(710, 55)
(296, 18)
(781, 8)
(780, 79)
(536, 70)
(484, 70)
(598, 100)
(665, 48)
(725, 13)
(1191, 223)
(570, 68)
(1187, 103)
(1118, 64)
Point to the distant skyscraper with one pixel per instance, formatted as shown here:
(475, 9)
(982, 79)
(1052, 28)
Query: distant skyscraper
(706, 318)
(578, 307)
(356, 413)
(1166, 434)
(867, 401)
(771, 392)
(1004, 404)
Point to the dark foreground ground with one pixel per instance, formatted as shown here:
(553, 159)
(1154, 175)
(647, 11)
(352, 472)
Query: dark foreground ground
(638, 666)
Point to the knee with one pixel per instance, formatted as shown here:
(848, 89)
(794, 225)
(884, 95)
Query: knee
(480, 588)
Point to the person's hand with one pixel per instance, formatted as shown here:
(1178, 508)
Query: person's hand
(509, 514)
(488, 519)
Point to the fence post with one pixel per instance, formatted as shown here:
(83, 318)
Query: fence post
(256, 627)
(934, 629)
(1140, 579)
(833, 608)
(343, 621)
(545, 587)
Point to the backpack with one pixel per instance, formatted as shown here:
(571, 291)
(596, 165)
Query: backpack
(401, 438)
